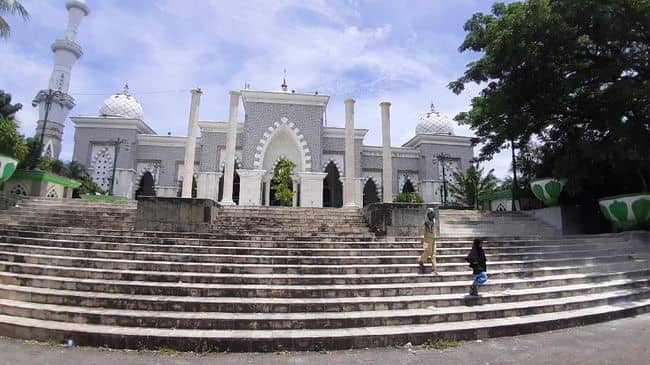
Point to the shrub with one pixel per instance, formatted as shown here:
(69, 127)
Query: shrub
(408, 198)
(12, 144)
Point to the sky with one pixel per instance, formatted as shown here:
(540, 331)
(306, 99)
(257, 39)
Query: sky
(404, 52)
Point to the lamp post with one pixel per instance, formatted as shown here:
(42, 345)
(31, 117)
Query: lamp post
(116, 142)
(49, 97)
(443, 157)
(515, 185)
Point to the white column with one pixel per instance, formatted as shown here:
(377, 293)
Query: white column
(311, 189)
(208, 185)
(190, 143)
(268, 192)
(295, 191)
(387, 182)
(349, 190)
(250, 186)
(229, 160)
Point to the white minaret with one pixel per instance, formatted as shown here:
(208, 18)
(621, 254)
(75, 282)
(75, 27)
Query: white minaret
(54, 102)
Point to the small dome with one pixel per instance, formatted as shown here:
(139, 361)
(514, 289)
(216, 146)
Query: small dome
(122, 105)
(432, 122)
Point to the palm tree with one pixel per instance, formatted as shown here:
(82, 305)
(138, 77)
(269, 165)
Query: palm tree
(467, 186)
(10, 7)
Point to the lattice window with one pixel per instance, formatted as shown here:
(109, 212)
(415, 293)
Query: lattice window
(18, 189)
(501, 207)
(52, 194)
(103, 167)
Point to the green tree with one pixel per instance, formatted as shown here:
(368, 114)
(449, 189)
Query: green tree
(12, 143)
(572, 74)
(10, 7)
(467, 186)
(282, 181)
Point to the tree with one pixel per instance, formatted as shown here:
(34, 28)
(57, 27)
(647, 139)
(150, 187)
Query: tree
(282, 181)
(10, 7)
(12, 143)
(572, 74)
(467, 186)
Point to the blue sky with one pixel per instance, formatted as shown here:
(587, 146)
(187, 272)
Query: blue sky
(405, 52)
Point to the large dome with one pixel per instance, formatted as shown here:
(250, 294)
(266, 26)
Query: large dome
(432, 122)
(122, 105)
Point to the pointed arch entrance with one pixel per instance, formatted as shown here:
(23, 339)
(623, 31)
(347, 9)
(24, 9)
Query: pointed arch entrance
(370, 193)
(146, 187)
(273, 199)
(332, 187)
(408, 187)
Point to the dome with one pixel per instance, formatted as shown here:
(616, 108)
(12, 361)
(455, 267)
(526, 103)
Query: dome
(432, 122)
(122, 105)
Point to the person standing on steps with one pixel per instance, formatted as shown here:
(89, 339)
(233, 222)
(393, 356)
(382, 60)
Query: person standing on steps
(477, 262)
(429, 242)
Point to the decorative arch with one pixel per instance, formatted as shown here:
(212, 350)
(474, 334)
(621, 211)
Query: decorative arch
(371, 191)
(146, 185)
(237, 165)
(332, 187)
(404, 178)
(49, 149)
(290, 129)
(327, 162)
(143, 168)
(18, 189)
(52, 193)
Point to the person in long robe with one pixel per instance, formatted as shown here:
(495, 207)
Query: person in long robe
(429, 242)
(477, 262)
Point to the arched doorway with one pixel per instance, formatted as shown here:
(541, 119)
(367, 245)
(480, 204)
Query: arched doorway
(370, 194)
(332, 187)
(408, 187)
(274, 201)
(146, 186)
(235, 187)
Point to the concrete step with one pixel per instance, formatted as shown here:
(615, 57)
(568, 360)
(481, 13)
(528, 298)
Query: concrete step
(310, 320)
(305, 279)
(300, 339)
(301, 305)
(302, 291)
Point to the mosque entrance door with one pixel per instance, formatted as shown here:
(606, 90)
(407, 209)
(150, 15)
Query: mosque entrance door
(146, 186)
(332, 187)
(370, 194)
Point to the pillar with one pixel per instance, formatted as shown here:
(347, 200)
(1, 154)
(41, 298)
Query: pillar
(231, 141)
(349, 189)
(207, 187)
(267, 191)
(250, 186)
(190, 144)
(387, 166)
(311, 189)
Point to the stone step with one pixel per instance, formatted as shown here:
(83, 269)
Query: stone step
(302, 291)
(180, 239)
(304, 279)
(288, 321)
(322, 265)
(299, 256)
(299, 339)
(236, 248)
(301, 305)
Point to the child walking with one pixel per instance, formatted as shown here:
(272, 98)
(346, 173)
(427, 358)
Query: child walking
(429, 242)
(477, 262)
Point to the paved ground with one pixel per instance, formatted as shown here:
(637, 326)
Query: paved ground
(624, 342)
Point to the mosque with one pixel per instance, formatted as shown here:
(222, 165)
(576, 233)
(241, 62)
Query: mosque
(233, 162)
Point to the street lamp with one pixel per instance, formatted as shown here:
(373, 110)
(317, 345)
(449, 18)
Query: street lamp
(49, 97)
(515, 185)
(116, 142)
(443, 158)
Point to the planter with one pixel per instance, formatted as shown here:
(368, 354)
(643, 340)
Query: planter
(547, 190)
(628, 211)
(7, 167)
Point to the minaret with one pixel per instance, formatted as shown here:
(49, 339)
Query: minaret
(54, 102)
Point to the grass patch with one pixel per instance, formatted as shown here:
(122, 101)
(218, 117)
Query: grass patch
(440, 343)
(167, 351)
(52, 342)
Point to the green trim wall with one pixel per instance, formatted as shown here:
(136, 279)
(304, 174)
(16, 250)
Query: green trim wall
(44, 176)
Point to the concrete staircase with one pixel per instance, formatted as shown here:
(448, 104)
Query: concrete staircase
(472, 223)
(274, 286)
